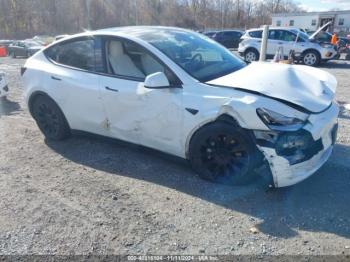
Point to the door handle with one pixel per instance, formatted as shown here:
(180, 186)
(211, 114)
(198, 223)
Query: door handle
(111, 89)
(56, 78)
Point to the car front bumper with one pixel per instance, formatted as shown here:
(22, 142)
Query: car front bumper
(328, 54)
(296, 163)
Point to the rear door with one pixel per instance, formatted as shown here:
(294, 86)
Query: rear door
(74, 82)
(231, 39)
(21, 50)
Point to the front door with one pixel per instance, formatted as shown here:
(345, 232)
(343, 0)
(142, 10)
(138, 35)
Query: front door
(150, 117)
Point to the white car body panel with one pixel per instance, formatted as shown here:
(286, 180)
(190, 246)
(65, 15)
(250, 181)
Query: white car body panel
(159, 118)
(3, 85)
(288, 82)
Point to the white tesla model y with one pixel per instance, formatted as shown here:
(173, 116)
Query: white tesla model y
(182, 93)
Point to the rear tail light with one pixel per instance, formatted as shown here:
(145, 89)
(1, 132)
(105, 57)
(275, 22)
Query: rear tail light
(23, 69)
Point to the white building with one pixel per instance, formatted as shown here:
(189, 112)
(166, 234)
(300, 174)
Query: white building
(313, 20)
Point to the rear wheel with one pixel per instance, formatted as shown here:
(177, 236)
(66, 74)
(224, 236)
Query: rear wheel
(223, 153)
(251, 55)
(50, 118)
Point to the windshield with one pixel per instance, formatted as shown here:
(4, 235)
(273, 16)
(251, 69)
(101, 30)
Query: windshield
(302, 35)
(198, 55)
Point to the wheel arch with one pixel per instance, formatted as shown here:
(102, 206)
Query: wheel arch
(313, 50)
(34, 96)
(252, 48)
(223, 117)
(37, 94)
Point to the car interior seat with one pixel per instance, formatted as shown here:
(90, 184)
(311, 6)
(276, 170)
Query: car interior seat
(150, 65)
(120, 62)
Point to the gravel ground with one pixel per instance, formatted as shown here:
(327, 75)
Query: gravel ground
(90, 195)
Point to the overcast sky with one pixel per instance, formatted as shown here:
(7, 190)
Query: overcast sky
(324, 5)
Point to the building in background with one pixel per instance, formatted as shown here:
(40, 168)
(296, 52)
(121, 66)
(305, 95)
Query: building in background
(311, 21)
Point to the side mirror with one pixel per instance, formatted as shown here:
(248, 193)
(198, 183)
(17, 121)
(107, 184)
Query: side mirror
(156, 81)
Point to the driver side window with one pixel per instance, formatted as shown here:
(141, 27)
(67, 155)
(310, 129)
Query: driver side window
(128, 59)
(288, 36)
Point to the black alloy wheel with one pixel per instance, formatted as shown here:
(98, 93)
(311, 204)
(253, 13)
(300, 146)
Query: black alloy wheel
(50, 119)
(224, 153)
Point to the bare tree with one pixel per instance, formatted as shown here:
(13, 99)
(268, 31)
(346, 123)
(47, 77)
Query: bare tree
(23, 19)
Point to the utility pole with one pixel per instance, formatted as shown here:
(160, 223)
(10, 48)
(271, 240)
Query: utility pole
(222, 14)
(263, 48)
(88, 16)
(136, 13)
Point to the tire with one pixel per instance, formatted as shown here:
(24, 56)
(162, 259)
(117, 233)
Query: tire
(311, 58)
(50, 118)
(224, 153)
(251, 55)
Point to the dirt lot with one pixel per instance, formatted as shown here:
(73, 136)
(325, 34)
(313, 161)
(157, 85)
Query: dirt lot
(90, 195)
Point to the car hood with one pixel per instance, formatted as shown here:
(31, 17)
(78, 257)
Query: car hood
(311, 37)
(310, 88)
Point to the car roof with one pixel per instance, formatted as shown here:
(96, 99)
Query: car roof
(275, 28)
(134, 30)
(128, 32)
(231, 30)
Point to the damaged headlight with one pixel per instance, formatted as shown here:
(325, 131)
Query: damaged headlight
(278, 122)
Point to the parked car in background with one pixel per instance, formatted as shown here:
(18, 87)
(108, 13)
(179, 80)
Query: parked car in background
(308, 50)
(228, 38)
(209, 33)
(344, 43)
(23, 48)
(6, 42)
(4, 89)
(178, 92)
(44, 39)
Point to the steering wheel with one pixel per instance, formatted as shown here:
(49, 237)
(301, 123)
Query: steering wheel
(196, 59)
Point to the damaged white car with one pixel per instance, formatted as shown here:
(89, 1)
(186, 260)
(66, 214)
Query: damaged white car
(181, 93)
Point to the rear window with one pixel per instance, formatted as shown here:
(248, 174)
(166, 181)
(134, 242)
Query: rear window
(78, 53)
(255, 34)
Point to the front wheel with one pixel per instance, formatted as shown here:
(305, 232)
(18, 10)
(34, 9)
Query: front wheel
(223, 153)
(311, 58)
(50, 118)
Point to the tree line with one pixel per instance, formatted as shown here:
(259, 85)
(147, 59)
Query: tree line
(25, 18)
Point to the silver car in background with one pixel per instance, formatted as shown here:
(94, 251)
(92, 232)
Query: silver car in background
(307, 50)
